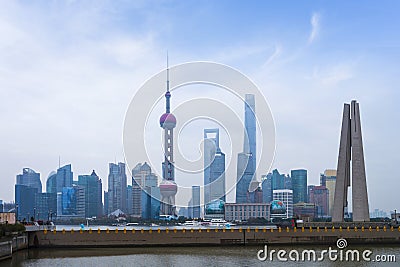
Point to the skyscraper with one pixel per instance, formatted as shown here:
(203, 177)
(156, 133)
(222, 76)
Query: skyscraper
(195, 202)
(129, 200)
(351, 149)
(299, 185)
(106, 203)
(266, 186)
(93, 198)
(250, 128)
(57, 180)
(214, 167)
(45, 203)
(25, 201)
(72, 202)
(328, 179)
(319, 195)
(51, 183)
(64, 177)
(145, 192)
(168, 187)
(246, 164)
(278, 180)
(117, 187)
(30, 178)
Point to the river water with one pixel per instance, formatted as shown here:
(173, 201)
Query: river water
(184, 256)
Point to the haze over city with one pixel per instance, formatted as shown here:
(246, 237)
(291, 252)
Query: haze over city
(68, 74)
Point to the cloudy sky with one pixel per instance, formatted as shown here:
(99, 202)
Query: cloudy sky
(69, 69)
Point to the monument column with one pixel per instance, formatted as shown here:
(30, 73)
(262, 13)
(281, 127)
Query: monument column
(359, 187)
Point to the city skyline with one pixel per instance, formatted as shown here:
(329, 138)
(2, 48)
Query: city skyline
(305, 74)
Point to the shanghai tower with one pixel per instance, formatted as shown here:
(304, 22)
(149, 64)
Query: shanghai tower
(246, 163)
(168, 187)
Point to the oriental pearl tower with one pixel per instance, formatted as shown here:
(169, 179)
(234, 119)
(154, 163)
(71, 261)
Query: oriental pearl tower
(168, 187)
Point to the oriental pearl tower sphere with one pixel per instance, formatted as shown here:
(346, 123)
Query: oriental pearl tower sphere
(168, 187)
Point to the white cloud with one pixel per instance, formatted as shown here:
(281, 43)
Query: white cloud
(277, 52)
(332, 75)
(315, 27)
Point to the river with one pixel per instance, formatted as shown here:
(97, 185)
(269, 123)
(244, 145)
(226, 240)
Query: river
(183, 256)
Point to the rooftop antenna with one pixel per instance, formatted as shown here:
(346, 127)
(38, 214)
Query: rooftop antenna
(59, 161)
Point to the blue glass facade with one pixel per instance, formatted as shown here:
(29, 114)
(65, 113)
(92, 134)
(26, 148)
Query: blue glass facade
(64, 178)
(299, 182)
(278, 180)
(45, 204)
(214, 167)
(117, 183)
(25, 201)
(246, 164)
(145, 193)
(195, 209)
(246, 173)
(93, 198)
(30, 178)
(266, 186)
(73, 201)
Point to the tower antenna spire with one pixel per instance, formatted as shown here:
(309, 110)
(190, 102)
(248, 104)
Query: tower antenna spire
(167, 73)
(167, 94)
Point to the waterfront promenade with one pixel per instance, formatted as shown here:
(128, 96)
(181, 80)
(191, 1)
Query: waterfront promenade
(121, 237)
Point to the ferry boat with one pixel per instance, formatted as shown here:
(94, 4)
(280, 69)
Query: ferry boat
(191, 223)
(218, 223)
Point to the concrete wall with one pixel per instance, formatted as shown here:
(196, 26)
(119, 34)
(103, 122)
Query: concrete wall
(211, 237)
(14, 244)
(5, 250)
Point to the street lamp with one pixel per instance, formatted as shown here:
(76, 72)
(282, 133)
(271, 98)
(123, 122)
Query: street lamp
(16, 211)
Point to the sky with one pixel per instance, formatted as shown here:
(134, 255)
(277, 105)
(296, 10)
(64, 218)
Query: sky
(69, 69)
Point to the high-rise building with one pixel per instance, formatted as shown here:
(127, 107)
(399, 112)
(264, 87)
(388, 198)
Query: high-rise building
(93, 194)
(286, 196)
(51, 183)
(25, 201)
(71, 202)
(64, 177)
(117, 183)
(57, 180)
(319, 195)
(194, 206)
(328, 179)
(214, 167)
(299, 185)
(30, 178)
(266, 186)
(255, 196)
(129, 200)
(1, 206)
(145, 192)
(309, 189)
(278, 180)
(45, 204)
(168, 187)
(288, 182)
(246, 163)
(106, 204)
